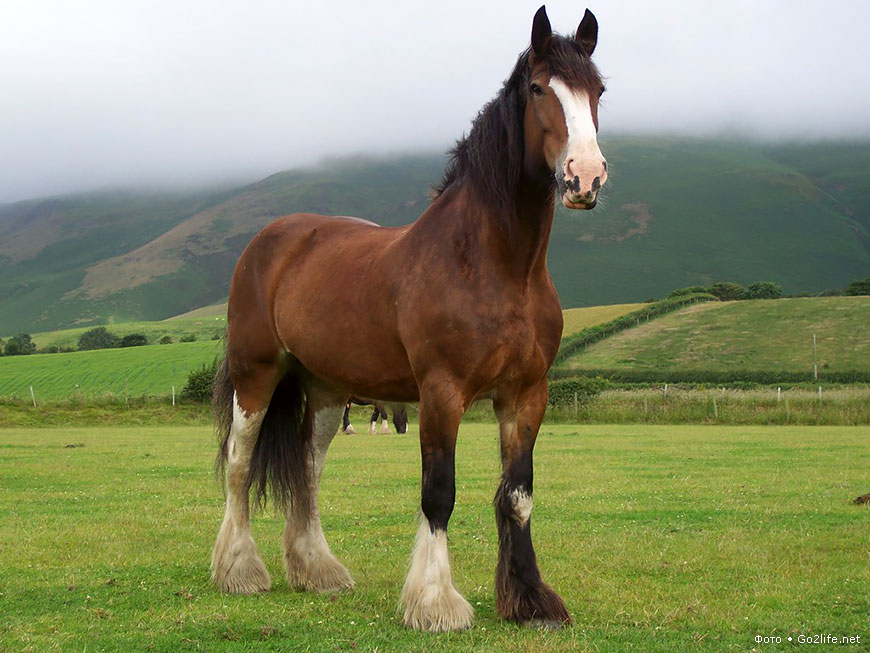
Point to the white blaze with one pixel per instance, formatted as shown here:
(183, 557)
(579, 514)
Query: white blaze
(582, 148)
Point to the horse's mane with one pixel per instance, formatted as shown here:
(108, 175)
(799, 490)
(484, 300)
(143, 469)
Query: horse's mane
(490, 157)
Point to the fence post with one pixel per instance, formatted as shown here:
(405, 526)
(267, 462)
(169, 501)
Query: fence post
(33, 396)
(715, 409)
(778, 394)
(576, 406)
(173, 395)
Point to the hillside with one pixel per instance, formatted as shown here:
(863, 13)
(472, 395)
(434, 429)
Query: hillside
(152, 369)
(676, 212)
(759, 335)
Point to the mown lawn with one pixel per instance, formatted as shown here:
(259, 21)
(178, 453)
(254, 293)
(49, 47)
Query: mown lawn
(658, 537)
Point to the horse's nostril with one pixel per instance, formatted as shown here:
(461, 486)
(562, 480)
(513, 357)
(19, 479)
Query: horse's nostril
(596, 183)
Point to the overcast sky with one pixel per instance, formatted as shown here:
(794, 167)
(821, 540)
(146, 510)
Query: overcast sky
(152, 92)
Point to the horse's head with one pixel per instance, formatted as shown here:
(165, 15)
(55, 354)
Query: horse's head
(561, 117)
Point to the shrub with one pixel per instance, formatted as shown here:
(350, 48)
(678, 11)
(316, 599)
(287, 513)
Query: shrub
(860, 287)
(97, 338)
(727, 291)
(562, 392)
(20, 345)
(763, 290)
(190, 337)
(199, 382)
(166, 340)
(688, 290)
(134, 340)
(831, 292)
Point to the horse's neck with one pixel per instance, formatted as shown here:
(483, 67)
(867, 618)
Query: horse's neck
(515, 239)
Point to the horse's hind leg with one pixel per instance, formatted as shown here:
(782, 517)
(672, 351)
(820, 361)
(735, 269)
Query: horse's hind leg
(308, 562)
(235, 563)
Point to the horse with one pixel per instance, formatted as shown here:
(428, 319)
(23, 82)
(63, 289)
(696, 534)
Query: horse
(294, 354)
(400, 417)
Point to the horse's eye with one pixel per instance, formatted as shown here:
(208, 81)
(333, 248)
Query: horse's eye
(535, 89)
(601, 92)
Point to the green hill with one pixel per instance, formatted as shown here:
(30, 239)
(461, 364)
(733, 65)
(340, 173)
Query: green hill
(676, 212)
(731, 337)
(149, 370)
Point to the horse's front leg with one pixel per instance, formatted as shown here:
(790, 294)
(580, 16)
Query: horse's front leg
(521, 595)
(430, 600)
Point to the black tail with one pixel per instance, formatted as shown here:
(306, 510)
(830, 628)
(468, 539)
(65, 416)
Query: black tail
(279, 464)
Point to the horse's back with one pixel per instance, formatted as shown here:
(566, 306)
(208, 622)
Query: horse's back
(320, 285)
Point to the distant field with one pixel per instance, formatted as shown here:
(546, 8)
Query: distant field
(152, 369)
(757, 335)
(212, 322)
(215, 310)
(577, 319)
(677, 538)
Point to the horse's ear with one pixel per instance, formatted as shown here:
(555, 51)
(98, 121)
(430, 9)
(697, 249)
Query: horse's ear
(587, 33)
(541, 32)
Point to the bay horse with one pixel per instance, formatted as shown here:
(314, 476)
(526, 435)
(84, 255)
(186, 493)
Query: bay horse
(294, 355)
(400, 417)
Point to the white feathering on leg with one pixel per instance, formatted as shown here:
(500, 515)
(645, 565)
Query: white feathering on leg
(431, 601)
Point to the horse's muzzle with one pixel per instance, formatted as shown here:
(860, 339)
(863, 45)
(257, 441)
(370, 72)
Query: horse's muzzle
(574, 198)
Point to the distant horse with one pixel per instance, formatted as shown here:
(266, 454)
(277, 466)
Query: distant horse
(491, 328)
(400, 417)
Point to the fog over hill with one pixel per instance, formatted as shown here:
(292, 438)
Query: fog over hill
(98, 93)
(677, 212)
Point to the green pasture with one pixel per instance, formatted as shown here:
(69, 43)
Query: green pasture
(659, 538)
(773, 334)
(148, 370)
(577, 319)
(203, 326)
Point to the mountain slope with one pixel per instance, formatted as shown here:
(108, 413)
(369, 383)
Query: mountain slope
(676, 212)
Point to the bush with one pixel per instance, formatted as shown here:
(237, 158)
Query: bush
(199, 383)
(20, 345)
(727, 291)
(97, 338)
(688, 290)
(763, 290)
(166, 340)
(134, 340)
(861, 287)
(562, 392)
(831, 292)
(190, 337)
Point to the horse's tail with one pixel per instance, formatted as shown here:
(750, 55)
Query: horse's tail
(279, 463)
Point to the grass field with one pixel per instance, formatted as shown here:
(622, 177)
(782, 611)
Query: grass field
(152, 369)
(577, 319)
(659, 538)
(757, 335)
(204, 326)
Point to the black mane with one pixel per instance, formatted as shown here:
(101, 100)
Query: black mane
(490, 157)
